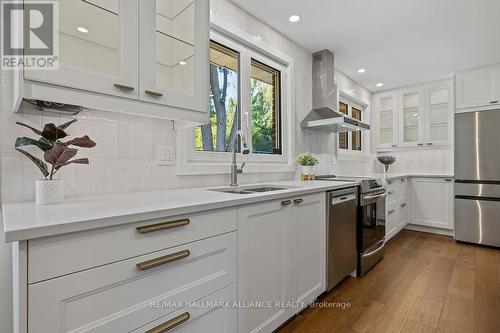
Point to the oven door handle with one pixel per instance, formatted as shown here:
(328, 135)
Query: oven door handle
(377, 250)
(369, 199)
(372, 197)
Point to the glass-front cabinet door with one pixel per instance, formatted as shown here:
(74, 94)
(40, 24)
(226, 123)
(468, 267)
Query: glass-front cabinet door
(98, 42)
(411, 115)
(386, 108)
(174, 53)
(439, 118)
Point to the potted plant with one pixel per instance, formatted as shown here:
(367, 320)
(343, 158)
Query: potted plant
(307, 163)
(56, 155)
(386, 160)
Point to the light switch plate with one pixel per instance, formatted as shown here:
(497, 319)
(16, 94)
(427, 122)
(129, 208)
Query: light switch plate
(165, 155)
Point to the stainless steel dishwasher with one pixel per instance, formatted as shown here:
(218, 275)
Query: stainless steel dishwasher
(341, 255)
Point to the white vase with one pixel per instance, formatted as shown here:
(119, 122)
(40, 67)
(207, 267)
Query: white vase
(49, 191)
(307, 170)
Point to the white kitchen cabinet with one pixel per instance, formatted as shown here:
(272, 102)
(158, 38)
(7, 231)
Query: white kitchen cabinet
(147, 57)
(439, 106)
(411, 115)
(263, 263)
(104, 57)
(391, 223)
(386, 119)
(281, 257)
(478, 88)
(174, 53)
(423, 116)
(432, 202)
(117, 297)
(308, 247)
(202, 319)
(397, 206)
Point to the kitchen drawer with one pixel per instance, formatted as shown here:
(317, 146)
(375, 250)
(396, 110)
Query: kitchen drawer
(119, 297)
(203, 318)
(59, 255)
(391, 222)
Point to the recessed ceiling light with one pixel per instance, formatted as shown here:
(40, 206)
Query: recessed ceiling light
(182, 63)
(82, 30)
(380, 84)
(361, 70)
(294, 18)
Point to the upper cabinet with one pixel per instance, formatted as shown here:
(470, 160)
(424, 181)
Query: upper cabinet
(479, 88)
(387, 121)
(98, 43)
(415, 117)
(148, 57)
(439, 116)
(411, 109)
(174, 55)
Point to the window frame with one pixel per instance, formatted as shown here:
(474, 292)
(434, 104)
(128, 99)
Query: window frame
(190, 161)
(363, 107)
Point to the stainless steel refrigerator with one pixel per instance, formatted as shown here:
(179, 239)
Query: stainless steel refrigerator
(477, 177)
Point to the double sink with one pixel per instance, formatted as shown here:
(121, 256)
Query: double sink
(251, 189)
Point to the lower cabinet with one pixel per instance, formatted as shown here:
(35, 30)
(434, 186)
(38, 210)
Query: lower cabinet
(129, 294)
(205, 316)
(397, 206)
(432, 202)
(281, 260)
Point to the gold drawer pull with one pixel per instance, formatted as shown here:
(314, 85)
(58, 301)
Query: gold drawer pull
(168, 325)
(161, 226)
(124, 87)
(286, 202)
(142, 266)
(298, 201)
(154, 93)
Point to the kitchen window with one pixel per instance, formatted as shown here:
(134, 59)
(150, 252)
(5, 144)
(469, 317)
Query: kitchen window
(351, 141)
(262, 122)
(250, 88)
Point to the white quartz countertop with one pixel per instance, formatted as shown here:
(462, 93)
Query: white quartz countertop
(418, 175)
(24, 221)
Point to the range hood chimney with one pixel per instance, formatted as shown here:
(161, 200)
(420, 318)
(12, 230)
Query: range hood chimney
(325, 115)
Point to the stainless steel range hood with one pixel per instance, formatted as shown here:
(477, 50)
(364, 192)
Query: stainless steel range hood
(325, 115)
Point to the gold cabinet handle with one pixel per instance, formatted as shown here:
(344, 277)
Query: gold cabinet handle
(154, 93)
(298, 201)
(124, 87)
(161, 226)
(168, 325)
(286, 202)
(142, 266)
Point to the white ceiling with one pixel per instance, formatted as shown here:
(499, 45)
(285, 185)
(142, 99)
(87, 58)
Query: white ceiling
(399, 42)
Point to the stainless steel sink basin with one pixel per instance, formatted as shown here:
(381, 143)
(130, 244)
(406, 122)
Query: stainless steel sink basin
(266, 188)
(233, 191)
(251, 189)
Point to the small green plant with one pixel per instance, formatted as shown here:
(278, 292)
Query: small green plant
(307, 160)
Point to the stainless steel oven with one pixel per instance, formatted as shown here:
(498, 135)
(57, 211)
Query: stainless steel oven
(371, 229)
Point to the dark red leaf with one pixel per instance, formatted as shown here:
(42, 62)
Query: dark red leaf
(59, 155)
(53, 133)
(84, 142)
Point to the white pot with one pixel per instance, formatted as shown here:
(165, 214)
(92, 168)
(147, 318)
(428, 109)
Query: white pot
(49, 191)
(307, 170)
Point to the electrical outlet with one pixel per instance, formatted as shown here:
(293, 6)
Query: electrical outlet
(165, 155)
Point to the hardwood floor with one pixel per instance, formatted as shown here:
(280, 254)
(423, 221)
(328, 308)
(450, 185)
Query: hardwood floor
(425, 283)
